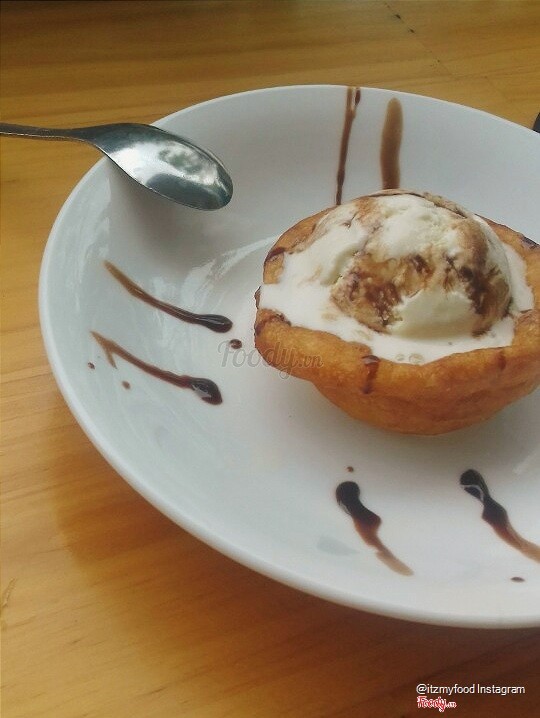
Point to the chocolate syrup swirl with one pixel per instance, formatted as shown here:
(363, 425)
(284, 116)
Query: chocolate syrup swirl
(496, 516)
(391, 144)
(353, 98)
(215, 322)
(206, 389)
(367, 525)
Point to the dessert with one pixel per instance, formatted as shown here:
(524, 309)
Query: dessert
(405, 310)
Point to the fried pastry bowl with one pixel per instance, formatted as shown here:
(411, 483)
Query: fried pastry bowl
(448, 393)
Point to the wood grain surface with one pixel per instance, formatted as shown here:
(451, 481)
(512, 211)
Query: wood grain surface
(108, 608)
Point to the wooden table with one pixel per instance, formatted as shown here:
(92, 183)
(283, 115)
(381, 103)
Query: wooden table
(108, 608)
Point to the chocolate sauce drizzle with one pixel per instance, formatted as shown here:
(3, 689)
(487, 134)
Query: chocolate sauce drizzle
(274, 252)
(367, 525)
(391, 144)
(215, 322)
(530, 243)
(372, 363)
(496, 516)
(235, 344)
(205, 389)
(353, 98)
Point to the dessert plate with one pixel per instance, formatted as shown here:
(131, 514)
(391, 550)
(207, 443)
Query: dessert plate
(255, 475)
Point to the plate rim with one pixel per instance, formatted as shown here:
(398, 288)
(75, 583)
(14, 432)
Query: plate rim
(200, 531)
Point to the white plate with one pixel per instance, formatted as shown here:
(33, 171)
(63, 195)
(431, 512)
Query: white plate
(255, 476)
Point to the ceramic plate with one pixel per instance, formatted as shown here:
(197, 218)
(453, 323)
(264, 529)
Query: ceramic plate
(255, 476)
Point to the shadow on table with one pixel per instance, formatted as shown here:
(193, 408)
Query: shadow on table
(198, 631)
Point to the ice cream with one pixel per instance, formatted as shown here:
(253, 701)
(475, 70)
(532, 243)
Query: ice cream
(413, 276)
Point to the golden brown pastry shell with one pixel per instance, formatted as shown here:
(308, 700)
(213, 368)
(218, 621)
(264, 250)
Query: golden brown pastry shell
(443, 395)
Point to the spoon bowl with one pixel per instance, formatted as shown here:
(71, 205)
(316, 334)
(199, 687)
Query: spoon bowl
(165, 163)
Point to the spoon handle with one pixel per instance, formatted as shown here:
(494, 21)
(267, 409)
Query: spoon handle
(38, 133)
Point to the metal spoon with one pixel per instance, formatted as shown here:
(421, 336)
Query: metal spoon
(164, 163)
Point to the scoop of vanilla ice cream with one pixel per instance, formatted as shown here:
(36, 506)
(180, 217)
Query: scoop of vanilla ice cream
(427, 268)
(412, 276)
